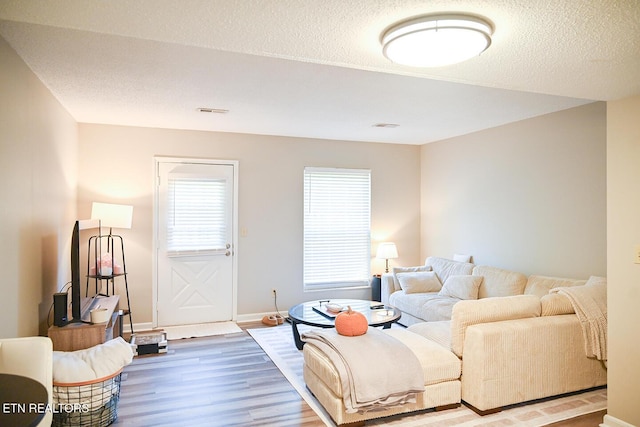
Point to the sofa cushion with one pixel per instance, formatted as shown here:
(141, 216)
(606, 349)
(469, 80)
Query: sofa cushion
(437, 308)
(487, 310)
(438, 332)
(555, 304)
(461, 287)
(498, 282)
(438, 363)
(322, 366)
(419, 282)
(541, 285)
(397, 270)
(410, 303)
(427, 307)
(446, 267)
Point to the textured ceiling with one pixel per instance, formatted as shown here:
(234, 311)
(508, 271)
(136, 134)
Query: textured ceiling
(314, 68)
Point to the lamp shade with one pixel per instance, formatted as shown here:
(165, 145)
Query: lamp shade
(387, 250)
(112, 215)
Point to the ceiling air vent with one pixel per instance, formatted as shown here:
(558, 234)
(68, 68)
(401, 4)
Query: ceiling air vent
(213, 110)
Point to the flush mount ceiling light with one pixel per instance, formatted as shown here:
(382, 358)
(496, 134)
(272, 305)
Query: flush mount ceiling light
(436, 40)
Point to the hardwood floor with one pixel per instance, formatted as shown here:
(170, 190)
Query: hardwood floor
(212, 381)
(589, 420)
(222, 381)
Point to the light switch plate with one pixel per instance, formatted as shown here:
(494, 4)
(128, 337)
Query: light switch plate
(636, 254)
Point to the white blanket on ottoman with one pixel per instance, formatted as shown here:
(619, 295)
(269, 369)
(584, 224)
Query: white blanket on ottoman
(376, 370)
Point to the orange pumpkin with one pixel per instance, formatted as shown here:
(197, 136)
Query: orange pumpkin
(351, 323)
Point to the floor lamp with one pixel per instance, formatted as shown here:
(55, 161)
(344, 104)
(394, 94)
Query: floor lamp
(112, 216)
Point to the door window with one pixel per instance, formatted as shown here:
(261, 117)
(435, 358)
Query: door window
(196, 214)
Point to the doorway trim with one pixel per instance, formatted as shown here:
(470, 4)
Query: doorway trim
(154, 262)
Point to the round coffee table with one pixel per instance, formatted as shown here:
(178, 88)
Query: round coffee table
(24, 400)
(314, 313)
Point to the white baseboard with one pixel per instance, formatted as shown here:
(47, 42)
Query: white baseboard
(254, 317)
(137, 327)
(610, 421)
(147, 326)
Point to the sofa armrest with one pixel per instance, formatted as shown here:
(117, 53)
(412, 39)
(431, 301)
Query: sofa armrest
(519, 360)
(472, 312)
(387, 287)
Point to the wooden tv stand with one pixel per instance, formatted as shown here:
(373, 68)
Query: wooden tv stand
(78, 336)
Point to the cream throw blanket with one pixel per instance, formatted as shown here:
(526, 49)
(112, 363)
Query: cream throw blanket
(590, 304)
(376, 370)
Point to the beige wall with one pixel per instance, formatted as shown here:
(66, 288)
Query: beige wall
(623, 234)
(116, 166)
(38, 161)
(528, 196)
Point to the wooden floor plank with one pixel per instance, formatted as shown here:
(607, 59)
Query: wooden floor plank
(211, 381)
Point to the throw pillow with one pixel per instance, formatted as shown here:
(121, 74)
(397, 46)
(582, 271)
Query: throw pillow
(596, 280)
(462, 258)
(555, 304)
(461, 287)
(419, 282)
(397, 270)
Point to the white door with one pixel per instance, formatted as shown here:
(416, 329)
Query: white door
(195, 247)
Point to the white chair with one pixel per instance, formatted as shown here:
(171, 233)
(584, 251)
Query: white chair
(30, 357)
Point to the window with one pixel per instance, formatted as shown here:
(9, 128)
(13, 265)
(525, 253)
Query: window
(195, 214)
(337, 221)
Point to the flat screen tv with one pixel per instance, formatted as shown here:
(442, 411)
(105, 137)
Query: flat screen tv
(75, 274)
(76, 301)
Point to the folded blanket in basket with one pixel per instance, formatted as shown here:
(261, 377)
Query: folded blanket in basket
(376, 369)
(92, 363)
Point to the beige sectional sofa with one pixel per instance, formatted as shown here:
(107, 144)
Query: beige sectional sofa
(515, 349)
(516, 341)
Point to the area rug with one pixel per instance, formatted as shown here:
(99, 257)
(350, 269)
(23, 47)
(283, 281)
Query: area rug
(277, 342)
(201, 330)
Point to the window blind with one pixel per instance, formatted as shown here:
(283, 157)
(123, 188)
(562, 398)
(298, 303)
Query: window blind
(337, 222)
(196, 215)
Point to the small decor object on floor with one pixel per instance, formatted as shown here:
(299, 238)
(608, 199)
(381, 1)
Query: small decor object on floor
(149, 343)
(351, 323)
(274, 320)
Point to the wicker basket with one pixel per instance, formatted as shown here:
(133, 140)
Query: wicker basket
(89, 403)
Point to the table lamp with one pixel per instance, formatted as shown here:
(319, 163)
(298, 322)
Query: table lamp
(387, 251)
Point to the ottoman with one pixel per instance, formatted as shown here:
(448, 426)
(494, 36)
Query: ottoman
(440, 367)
